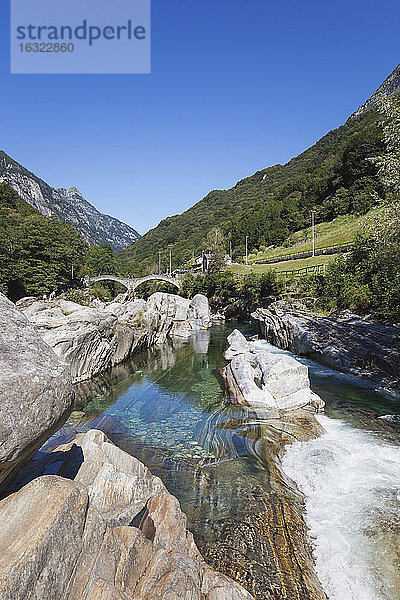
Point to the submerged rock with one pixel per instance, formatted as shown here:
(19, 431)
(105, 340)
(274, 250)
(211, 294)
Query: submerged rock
(92, 339)
(100, 527)
(35, 390)
(345, 342)
(275, 381)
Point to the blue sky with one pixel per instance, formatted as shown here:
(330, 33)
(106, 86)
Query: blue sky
(235, 87)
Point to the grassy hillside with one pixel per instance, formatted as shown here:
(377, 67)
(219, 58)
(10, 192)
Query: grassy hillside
(340, 230)
(287, 265)
(332, 177)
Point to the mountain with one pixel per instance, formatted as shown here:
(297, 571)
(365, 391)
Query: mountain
(68, 205)
(332, 177)
(388, 87)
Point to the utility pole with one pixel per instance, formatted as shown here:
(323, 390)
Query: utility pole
(170, 259)
(313, 231)
(159, 261)
(247, 237)
(72, 273)
(230, 248)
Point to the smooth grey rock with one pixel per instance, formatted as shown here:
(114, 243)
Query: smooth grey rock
(92, 339)
(244, 374)
(68, 307)
(260, 378)
(35, 389)
(344, 342)
(25, 302)
(172, 315)
(41, 538)
(199, 312)
(114, 532)
(237, 344)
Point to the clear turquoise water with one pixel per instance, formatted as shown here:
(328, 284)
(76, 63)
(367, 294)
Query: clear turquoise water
(168, 407)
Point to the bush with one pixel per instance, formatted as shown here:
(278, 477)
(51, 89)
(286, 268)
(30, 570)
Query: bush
(223, 288)
(369, 279)
(77, 296)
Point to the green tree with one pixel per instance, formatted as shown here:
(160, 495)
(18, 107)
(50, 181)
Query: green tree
(216, 246)
(100, 260)
(388, 162)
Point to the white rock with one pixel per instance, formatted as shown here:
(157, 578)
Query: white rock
(273, 380)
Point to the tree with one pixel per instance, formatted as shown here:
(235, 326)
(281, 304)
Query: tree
(216, 247)
(100, 260)
(36, 252)
(389, 162)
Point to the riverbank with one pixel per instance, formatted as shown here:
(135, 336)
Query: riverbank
(345, 342)
(94, 339)
(167, 407)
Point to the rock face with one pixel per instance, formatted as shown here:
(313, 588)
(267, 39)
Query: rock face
(100, 527)
(260, 378)
(92, 340)
(35, 390)
(171, 315)
(68, 205)
(388, 87)
(345, 342)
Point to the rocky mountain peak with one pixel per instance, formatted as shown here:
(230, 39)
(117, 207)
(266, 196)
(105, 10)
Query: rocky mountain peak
(388, 87)
(67, 204)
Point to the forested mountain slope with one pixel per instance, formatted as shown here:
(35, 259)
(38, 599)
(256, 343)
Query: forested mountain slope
(68, 205)
(332, 177)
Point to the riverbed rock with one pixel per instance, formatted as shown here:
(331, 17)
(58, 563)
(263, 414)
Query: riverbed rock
(199, 313)
(166, 315)
(261, 378)
(35, 390)
(93, 339)
(101, 526)
(344, 341)
(172, 315)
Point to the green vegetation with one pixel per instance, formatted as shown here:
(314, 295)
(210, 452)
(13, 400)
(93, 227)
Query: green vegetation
(78, 296)
(328, 233)
(285, 265)
(40, 254)
(335, 177)
(369, 280)
(223, 288)
(37, 254)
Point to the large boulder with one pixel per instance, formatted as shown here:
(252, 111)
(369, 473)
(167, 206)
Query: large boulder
(344, 341)
(93, 339)
(172, 315)
(199, 312)
(166, 315)
(261, 378)
(101, 526)
(35, 390)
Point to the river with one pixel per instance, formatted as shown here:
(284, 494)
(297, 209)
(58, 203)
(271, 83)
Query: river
(168, 408)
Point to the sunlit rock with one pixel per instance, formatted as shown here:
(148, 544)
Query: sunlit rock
(35, 389)
(261, 378)
(101, 526)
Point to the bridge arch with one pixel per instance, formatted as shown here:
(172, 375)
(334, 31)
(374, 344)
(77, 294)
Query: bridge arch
(122, 280)
(139, 280)
(132, 283)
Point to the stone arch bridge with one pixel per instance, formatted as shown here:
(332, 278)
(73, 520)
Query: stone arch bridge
(132, 283)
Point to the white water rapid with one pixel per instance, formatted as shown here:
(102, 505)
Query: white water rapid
(351, 483)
